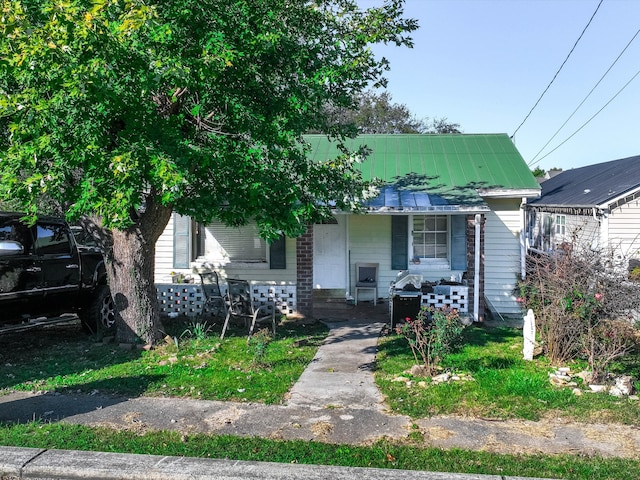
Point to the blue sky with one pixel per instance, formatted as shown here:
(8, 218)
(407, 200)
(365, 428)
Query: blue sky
(485, 63)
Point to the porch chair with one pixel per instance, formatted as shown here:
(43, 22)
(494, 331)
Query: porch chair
(367, 279)
(240, 306)
(214, 301)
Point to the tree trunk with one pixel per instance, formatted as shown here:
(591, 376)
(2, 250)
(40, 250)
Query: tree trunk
(130, 266)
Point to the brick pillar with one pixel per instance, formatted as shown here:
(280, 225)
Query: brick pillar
(471, 261)
(304, 273)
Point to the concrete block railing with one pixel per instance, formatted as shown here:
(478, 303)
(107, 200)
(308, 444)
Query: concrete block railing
(187, 299)
(452, 296)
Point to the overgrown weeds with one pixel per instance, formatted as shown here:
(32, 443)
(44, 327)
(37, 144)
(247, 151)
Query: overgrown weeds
(199, 330)
(584, 305)
(258, 342)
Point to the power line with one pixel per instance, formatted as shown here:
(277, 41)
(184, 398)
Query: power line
(554, 77)
(532, 161)
(592, 117)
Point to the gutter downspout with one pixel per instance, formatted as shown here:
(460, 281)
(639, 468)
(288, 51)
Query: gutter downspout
(347, 241)
(476, 268)
(523, 239)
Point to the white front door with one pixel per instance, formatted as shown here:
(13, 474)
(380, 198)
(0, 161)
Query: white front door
(330, 254)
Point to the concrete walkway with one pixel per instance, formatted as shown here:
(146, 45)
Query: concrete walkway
(336, 401)
(340, 375)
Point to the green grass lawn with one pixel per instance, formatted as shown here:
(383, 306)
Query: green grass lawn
(504, 386)
(186, 366)
(381, 454)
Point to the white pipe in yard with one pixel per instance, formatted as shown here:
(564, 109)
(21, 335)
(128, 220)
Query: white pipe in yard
(476, 273)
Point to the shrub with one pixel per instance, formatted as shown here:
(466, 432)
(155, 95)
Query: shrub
(432, 335)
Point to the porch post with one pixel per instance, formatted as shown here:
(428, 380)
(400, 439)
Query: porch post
(475, 265)
(304, 273)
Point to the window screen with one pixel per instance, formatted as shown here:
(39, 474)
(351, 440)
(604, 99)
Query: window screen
(240, 244)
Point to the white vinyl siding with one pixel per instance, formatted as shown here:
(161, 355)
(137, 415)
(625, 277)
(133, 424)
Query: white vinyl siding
(502, 255)
(581, 229)
(623, 229)
(164, 255)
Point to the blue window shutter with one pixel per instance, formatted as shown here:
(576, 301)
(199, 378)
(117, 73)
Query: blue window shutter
(181, 241)
(278, 254)
(458, 242)
(399, 242)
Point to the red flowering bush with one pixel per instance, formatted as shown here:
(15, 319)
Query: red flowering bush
(433, 334)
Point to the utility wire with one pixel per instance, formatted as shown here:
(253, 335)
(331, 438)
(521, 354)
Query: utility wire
(554, 77)
(533, 160)
(592, 117)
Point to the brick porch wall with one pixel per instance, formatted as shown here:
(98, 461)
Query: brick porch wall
(304, 273)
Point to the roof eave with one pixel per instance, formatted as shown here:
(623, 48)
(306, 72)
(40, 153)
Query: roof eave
(617, 198)
(509, 193)
(431, 209)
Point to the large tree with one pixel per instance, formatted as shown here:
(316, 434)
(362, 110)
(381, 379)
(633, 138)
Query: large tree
(124, 111)
(374, 112)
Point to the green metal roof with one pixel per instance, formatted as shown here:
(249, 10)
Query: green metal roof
(461, 168)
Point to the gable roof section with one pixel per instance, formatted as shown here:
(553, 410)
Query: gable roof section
(591, 186)
(437, 172)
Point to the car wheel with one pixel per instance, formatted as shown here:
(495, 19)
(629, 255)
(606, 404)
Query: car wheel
(100, 315)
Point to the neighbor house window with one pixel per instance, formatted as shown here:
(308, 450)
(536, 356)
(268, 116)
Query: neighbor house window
(430, 238)
(561, 222)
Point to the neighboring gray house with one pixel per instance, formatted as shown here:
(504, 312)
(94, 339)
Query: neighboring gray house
(450, 208)
(597, 206)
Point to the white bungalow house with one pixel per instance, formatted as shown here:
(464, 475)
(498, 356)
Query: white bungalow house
(450, 209)
(597, 206)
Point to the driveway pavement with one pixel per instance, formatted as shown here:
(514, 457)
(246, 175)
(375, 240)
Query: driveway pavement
(336, 401)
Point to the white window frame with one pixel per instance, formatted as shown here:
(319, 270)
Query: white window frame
(440, 263)
(560, 224)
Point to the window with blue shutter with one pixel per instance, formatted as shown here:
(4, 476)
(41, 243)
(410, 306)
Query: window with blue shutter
(458, 242)
(278, 254)
(181, 241)
(399, 242)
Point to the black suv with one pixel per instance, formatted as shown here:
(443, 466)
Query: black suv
(45, 273)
